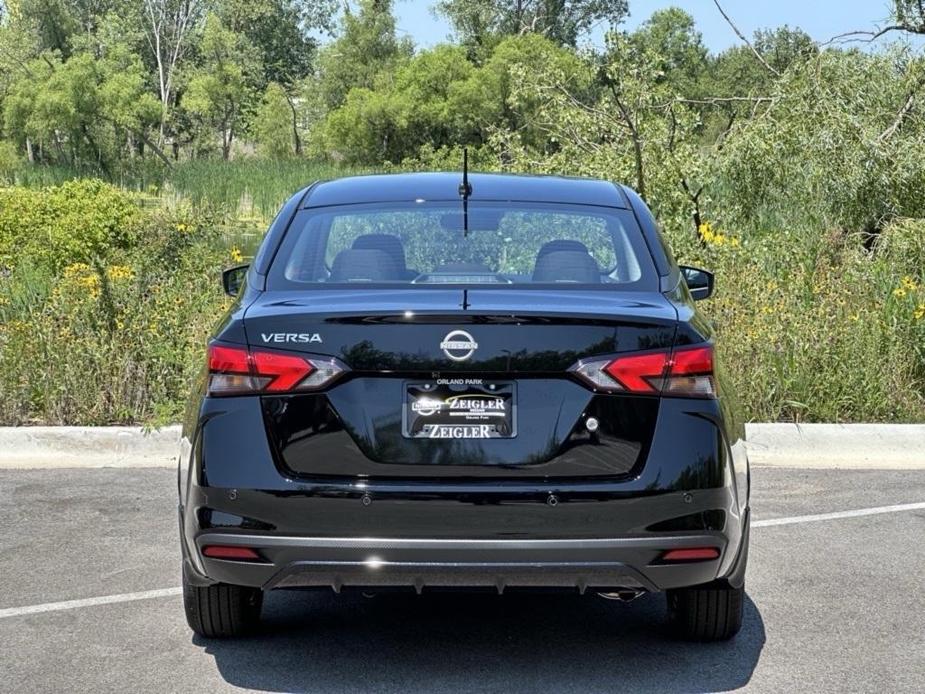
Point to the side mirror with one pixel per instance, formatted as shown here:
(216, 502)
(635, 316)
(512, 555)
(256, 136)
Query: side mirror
(233, 279)
(699, 282)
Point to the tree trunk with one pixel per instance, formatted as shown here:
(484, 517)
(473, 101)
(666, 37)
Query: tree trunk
(296, 140)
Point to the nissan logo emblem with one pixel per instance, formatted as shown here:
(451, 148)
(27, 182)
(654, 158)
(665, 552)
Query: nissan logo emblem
(459, 345)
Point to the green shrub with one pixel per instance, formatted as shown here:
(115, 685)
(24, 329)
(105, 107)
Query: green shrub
(828, 331)
(109, 326)
(10, 161)
(78, 221)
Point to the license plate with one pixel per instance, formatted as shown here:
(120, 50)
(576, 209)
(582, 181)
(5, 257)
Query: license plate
(459, 409)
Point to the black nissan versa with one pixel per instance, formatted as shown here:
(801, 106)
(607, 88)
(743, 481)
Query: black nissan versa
(484, 382)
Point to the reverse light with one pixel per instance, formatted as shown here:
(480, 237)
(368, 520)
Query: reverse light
(683, 372)
(237, 370)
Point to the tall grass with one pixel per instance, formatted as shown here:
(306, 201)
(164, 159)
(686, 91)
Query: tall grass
(249, 188)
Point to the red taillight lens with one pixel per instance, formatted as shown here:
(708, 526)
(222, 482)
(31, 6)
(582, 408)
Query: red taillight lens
(230, 552)
(239, 371)
(691, 373)
(286, 370)
(639, 373)
(233, 360)
(685, 372)
(691, 554)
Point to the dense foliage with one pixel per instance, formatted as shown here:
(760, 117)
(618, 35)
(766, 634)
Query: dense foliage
(795, 170)
(104, 304)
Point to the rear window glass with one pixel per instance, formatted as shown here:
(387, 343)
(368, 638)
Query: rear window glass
(421, 244)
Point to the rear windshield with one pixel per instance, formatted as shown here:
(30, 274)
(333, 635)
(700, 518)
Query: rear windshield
(429, 243)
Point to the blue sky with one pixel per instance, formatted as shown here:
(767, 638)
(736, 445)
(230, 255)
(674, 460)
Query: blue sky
(821, 19)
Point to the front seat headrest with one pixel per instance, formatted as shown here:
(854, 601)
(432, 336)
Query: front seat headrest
(561, 245)
(567, 266)
(364, 265)
(383, 242)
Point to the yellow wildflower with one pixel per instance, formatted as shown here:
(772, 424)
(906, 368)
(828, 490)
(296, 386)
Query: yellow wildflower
(919, 312)
(120, 272)
(236, 255)
(76, 270)
(90, 283)
(181, 227)
(712, 237)
(908, 284)
(899, 292)
(706, 232)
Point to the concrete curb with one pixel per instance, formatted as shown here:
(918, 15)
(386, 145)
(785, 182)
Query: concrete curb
(872, 446)
(859, 446)
(91, 447)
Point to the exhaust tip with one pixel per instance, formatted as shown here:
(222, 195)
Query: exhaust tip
(622, 595)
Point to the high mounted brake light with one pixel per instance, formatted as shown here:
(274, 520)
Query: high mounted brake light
(239, 371)
(683, 372)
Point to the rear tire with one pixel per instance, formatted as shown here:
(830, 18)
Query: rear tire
(711, 612)
(221, 610)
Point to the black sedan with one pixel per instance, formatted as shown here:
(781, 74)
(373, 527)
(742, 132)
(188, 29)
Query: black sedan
(485, 382)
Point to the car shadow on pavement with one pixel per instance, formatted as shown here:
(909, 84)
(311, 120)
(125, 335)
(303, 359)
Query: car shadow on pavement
(463, 642)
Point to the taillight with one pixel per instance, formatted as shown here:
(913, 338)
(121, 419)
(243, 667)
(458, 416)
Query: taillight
(684, 372)
(239, 371)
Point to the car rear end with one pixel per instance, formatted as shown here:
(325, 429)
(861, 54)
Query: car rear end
(511, 400)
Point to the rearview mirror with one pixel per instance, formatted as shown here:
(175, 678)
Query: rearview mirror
(233, 279)
(699, 282)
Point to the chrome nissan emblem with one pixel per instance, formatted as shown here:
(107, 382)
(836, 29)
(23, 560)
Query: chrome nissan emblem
(459, 345)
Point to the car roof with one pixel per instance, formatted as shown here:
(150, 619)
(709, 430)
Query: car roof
(406, 187)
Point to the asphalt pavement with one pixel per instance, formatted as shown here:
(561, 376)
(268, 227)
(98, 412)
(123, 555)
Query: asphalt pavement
(835, 604)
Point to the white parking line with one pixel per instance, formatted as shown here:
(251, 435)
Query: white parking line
(88, 602)
(877, 510)
(166, 592)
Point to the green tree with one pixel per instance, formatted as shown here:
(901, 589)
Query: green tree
(737, 85)
(634, 129)
(671, 36)
(169, 28)
(415, 105)
(482, 23)
(440, 100)
(222, 87)
(281, 32)
(366, 47)
(79, 111)
(497, 107)
(839, 144)
(273, 128)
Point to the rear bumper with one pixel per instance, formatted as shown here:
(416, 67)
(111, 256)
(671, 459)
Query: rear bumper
(469, 531)
(577, 564)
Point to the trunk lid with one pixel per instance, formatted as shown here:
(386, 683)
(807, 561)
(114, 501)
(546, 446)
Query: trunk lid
(465, 346)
